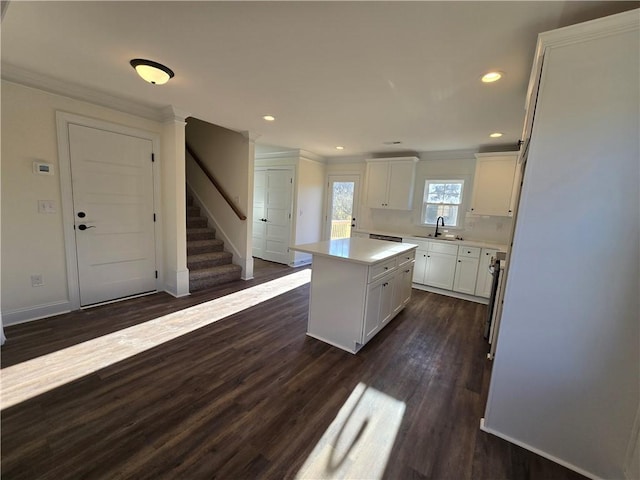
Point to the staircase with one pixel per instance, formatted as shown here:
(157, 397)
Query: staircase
(208, 263)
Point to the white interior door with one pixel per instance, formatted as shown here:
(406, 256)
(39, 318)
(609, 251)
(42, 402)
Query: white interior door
(112, 183)
(342, 205)
(272, 214)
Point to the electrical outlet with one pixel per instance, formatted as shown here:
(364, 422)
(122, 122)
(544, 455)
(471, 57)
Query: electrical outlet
(46, 206)
(36, 280)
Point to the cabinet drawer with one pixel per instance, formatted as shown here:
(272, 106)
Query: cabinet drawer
(405, 258)
(380, 269)
(471, 252)
(443, 248)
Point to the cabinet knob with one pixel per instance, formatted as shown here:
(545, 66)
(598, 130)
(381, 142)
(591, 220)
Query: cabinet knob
(459, 261)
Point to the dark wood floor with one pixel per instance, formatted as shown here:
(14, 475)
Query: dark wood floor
(251, 395)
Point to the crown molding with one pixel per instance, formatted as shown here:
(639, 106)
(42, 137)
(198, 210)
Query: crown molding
(21, 76)
(174, 114)
(294, 154)
(251, 136)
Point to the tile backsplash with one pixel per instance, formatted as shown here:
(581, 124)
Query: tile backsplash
(480, 228)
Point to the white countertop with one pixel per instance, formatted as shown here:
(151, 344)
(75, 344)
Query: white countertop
(470, 243)
(357, 250)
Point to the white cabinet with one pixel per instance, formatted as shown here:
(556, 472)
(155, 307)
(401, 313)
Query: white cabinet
(390, 183)
(440, 270)
(495, 184)
(466, 270)
(485, 279)
(374, 285)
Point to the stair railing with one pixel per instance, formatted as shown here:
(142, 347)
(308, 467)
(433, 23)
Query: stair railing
(215, 183)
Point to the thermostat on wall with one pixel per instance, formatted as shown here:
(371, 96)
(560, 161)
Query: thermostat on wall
(43, 168)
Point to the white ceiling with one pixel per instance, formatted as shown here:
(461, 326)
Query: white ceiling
(356, 74)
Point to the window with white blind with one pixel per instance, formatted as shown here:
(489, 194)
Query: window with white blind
(442, 198)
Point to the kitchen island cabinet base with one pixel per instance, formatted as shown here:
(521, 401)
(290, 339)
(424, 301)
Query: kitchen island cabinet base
(357, 287)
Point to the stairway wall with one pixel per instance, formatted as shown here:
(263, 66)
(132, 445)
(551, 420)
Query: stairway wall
(229, 157)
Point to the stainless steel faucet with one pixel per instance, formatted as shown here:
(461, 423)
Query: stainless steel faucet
(437, 223)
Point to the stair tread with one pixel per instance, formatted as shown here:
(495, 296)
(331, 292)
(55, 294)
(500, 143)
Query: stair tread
(214, 271)
(200, 229)
(207, 256)
(200, 243)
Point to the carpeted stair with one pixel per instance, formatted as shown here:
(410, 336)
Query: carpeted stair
(208, 263)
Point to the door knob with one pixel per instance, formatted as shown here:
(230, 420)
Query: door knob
(82, 214)
(82, 226)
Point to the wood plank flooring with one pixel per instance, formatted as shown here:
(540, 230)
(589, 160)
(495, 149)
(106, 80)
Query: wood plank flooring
(250, 396)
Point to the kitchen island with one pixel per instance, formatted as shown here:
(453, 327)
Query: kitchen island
(357, 286)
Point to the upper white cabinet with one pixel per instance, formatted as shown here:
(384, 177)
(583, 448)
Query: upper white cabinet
(495, 184)
(390, 182)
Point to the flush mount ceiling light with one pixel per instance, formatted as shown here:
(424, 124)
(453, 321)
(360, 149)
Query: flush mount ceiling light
(491, 77)
(339, 147)
(269, 118)
(495, 135)
(152, 72)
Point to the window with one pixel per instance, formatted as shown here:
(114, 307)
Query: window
(442, 198)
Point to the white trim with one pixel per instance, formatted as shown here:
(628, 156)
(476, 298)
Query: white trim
(392, 159)
(450, 293)
(496, 154)
(63, 120)
(28, 314)
(448, 155)
(293, 154)
(14, 74)
(632, 449)
(526, 446)
(179, 288)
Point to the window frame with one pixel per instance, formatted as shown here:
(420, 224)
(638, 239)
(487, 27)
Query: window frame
(459, 216)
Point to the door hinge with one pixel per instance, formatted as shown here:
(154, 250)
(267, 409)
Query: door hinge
(154, 217)
(156, 273)
(289, 216)
(153, 157)
(291, 180)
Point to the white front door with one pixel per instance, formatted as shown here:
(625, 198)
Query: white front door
(272, 214)
(342, 205)
(112, 184)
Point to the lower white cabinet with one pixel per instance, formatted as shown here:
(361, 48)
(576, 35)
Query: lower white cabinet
(441, 268)
(466, 270)
(485, 279)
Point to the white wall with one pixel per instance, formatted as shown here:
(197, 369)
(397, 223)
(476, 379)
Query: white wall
(33, 243)
(308, 204)
(431, 165)
(565, 379)
(228, 156)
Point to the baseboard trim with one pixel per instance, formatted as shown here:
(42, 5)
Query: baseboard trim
(450, 293)
(28, 314)
(537, 451)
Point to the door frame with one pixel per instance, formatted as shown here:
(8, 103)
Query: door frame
(292, 194)
(326, 229)
(63, 120)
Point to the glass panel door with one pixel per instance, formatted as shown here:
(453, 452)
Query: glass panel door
(342, 205)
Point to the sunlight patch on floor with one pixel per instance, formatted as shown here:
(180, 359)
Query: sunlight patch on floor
(33, 377)
(358, 442)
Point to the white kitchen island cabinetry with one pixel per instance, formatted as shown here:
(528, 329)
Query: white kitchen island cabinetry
(390, 182)
(357, 286)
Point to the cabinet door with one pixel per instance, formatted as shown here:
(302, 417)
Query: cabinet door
(372, 310)
(377, 181)
(420, 267)
(493, 185)
(466, 275)
(387, 310)
(485, 279)
(400, 185)
(403, 286)
(440, 270)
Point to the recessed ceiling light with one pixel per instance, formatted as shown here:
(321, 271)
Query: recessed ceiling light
(269, 118)
(491, 77)
(152, 72)
(393, 142)
(339, 147)
(496, 135)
